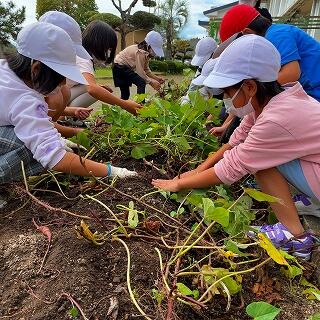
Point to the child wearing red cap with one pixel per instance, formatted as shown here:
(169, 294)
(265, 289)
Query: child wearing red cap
(300, 53)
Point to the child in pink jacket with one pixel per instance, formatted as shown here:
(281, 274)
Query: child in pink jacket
(278, 141)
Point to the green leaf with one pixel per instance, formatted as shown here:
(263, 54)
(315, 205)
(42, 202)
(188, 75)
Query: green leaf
(140, 97)
(183, 289)
(312, 293)
(262, 311)
(272, 251)
(133, 218)
(82, 139)
(73, 313)
(151, 111)
(212, 213)
(292, 271)
(232, 246)
(157, 295)
(315, 317)
(143, 150)
(260, 196)
(196, 294)
(182, 143)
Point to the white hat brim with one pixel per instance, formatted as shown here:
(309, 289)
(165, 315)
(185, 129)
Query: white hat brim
(198, 81)
(71, 72)
(82, 52)
(199, 61)
(220, 81)
(158, 51)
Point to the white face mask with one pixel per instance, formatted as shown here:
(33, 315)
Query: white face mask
(239, 112)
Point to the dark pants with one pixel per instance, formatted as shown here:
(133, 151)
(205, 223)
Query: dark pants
(124, 77)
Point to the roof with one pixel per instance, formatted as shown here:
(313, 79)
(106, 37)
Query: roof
(202, 23)
(220, 8)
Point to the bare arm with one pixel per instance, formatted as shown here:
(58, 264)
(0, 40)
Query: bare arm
(202, 179)
(71, 164)
(289, 72)
(104, 95)
(214, 158)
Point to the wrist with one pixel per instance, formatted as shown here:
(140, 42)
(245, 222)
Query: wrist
(108, 169)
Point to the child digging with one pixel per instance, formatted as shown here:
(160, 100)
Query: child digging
(278, 140)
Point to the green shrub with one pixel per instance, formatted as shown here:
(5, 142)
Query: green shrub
(158, 65)
(168, 66)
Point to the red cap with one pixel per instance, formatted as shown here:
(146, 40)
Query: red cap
(236, 19)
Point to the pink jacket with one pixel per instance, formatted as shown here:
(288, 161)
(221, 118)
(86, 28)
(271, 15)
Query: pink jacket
(288, 128)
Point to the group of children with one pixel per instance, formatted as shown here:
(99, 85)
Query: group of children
(267, 76)
(51, 75)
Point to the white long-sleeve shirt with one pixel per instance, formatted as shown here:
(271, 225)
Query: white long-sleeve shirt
(26, 110)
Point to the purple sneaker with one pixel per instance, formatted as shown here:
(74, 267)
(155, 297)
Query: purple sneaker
(283, 239)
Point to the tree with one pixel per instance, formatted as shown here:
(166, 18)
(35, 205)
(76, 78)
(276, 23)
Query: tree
(80, 10)
(181, 48)
(125, 15)
(174, 15)
(11, 19)
(113, 20)
(144, 20)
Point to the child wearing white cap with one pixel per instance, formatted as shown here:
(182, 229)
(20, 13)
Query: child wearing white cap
(60, 99)
(99, 41)
(203, 52)
(45, 57)
(131, 66)
(278, 140)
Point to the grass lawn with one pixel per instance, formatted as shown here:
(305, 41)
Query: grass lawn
(104, 73)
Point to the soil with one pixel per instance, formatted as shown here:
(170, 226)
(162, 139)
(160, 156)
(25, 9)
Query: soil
(92, 275)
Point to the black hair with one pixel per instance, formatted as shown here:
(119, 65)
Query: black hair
(100, 40)
(45, 81)
(260, 25)
(143, 46)
(265, 90)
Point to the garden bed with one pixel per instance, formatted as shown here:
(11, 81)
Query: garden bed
(92, 275)
(123, 250)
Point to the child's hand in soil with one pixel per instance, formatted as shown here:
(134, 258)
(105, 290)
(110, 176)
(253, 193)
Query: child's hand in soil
(122, 172)
(107, 88)
(155, 85)
(82, 113)
(167, 185)
(132, 107)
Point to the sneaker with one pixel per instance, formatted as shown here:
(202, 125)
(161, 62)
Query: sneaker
(306, 206)
(283, 239)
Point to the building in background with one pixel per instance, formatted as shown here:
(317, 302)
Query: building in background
(305, 14)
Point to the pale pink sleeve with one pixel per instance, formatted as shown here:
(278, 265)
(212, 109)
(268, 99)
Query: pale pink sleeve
(266, 146)
(241, 133)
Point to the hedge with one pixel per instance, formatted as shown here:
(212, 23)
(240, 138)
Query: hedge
(168, 66)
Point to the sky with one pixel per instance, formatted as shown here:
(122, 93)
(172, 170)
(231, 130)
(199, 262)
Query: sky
(191, 30)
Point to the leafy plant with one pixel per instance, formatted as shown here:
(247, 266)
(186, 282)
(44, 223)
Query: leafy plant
(162, 127)
(73, 313)
(262, 311)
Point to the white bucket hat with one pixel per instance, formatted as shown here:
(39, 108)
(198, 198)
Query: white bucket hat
(248, 57)
(155, 41)
(204, 50)
(52, 46)
(206, 70)
(70, 26)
